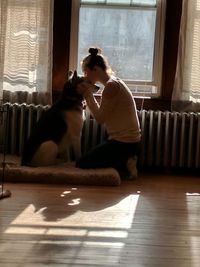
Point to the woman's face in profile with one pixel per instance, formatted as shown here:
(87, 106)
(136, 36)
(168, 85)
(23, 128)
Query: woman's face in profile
(91, 75)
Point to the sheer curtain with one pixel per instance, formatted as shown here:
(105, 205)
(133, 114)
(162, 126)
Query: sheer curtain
(26, 29)
(186, 93)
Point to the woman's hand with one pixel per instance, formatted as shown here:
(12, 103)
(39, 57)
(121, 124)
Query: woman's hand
(85, 89)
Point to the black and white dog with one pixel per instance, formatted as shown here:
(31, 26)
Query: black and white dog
(58, 130)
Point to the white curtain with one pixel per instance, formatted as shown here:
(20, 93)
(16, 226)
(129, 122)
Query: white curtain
(186, 92)
(26, 30)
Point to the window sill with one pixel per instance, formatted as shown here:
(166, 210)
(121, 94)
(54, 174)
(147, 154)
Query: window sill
(153, 103)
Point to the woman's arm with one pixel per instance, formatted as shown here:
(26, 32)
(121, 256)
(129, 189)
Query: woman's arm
(108, 101)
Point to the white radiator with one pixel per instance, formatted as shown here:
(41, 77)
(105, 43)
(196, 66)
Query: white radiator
(169, 139)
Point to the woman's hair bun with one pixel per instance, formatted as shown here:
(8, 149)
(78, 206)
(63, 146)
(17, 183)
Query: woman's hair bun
(93, 51)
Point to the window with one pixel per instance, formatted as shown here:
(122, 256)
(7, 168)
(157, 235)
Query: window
(25, 50)
(130, 33)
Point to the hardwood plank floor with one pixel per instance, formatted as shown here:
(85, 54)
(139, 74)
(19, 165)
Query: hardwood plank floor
(152, 221)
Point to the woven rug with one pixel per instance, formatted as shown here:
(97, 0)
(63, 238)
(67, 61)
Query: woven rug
(65, 173)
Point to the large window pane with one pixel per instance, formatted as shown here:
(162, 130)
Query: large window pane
(126, 37)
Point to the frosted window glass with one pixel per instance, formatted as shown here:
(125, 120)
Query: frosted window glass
(126, 37)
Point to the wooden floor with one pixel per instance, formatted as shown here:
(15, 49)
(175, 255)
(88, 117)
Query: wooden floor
(153, 221)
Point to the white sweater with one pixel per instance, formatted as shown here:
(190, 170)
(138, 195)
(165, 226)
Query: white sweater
(118, 113)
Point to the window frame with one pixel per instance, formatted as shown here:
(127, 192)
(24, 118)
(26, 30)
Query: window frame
(158, 46)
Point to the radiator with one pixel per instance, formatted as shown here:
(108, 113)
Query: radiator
(169, 139)
(18, 121)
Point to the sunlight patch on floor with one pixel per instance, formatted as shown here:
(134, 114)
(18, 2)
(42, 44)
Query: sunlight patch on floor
(119, 215)
(107, 227)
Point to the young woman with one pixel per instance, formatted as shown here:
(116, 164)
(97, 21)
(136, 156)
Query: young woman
(117, 111)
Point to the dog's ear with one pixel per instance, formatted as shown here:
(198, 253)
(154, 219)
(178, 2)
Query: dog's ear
(75, 75)
(70, 74)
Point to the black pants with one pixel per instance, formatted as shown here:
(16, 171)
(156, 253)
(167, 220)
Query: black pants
(111, 153)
